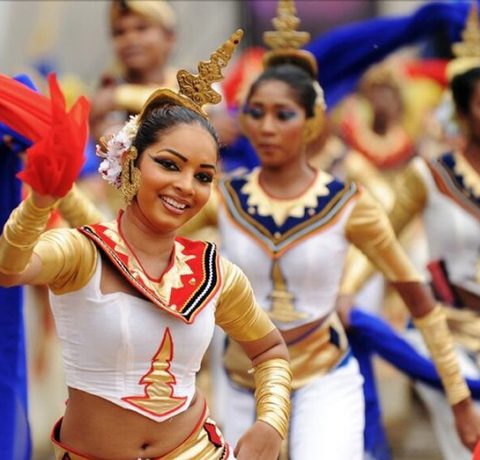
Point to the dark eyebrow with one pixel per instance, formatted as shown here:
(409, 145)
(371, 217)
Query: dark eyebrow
(185, 159)
(277, 105)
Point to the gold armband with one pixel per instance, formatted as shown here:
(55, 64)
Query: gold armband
(20, 234)
(434, 329)
(272, 393)
(77, 209)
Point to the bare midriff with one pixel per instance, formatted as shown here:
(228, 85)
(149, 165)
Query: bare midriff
(102, 430)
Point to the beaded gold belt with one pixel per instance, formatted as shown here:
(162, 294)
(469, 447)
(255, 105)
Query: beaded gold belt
(312, 355)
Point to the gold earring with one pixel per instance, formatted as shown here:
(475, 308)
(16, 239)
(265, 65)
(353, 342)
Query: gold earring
(314, 125)
(130, 177)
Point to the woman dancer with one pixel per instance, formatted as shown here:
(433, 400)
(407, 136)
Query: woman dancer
(445, 192)
(289, 227)
(134, 305)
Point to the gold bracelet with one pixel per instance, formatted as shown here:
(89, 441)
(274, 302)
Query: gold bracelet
(272, 393)
(434, 329)
(77, 209)
(20, 234)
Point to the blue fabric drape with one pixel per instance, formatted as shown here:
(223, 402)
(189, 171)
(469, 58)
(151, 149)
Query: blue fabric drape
(14, 429)
(344, 54)
(15, 443)
(370, 335)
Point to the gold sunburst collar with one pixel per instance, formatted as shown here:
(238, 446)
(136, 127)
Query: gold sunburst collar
(467, 51)
(195, 90)
(285, 41)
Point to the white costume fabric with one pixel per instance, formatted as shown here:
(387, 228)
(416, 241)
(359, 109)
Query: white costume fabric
(453, 236)
(293, 253)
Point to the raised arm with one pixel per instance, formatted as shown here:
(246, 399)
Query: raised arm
(52, 165)
(77, 209)
(63, 259)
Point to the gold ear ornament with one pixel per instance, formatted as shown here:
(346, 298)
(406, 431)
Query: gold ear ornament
(130, 178)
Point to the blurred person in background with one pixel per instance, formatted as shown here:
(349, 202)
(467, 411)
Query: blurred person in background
(444, 191)
(143, 36)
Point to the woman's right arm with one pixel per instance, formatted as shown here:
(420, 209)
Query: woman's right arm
(243, 320)
(77, 209)
(63, 259)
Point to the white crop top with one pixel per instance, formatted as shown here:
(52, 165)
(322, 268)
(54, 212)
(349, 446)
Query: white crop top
(128, 351)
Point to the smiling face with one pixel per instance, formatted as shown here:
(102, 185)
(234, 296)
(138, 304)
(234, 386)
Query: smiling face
(177, 173)
(274, 123)
(139, 43)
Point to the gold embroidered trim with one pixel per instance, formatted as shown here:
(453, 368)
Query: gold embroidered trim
(279, 209)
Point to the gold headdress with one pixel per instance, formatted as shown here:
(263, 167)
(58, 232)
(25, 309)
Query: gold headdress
(285, 41)
(158, 11)
(195, 90)
(118, 166)
(466, 52)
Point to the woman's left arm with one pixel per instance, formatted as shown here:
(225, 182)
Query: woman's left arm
(369, 229)
(244, 321)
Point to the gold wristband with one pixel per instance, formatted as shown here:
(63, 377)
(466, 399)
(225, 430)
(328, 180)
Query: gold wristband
(272, 393)
(77, 209)
(434, 329)
(20, 233)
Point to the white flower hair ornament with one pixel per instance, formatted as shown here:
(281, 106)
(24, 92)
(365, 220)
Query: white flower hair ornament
(113, 152)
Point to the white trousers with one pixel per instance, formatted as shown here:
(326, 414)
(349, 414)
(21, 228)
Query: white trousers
(440, 412)
(327, 418)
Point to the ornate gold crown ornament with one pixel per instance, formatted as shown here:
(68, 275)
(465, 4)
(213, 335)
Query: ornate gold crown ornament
(467, 51)
(286, 41)
(195, 90)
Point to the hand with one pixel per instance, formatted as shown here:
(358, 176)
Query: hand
(344, 305)
(55, 161)
(467, 422)
(260, 442)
